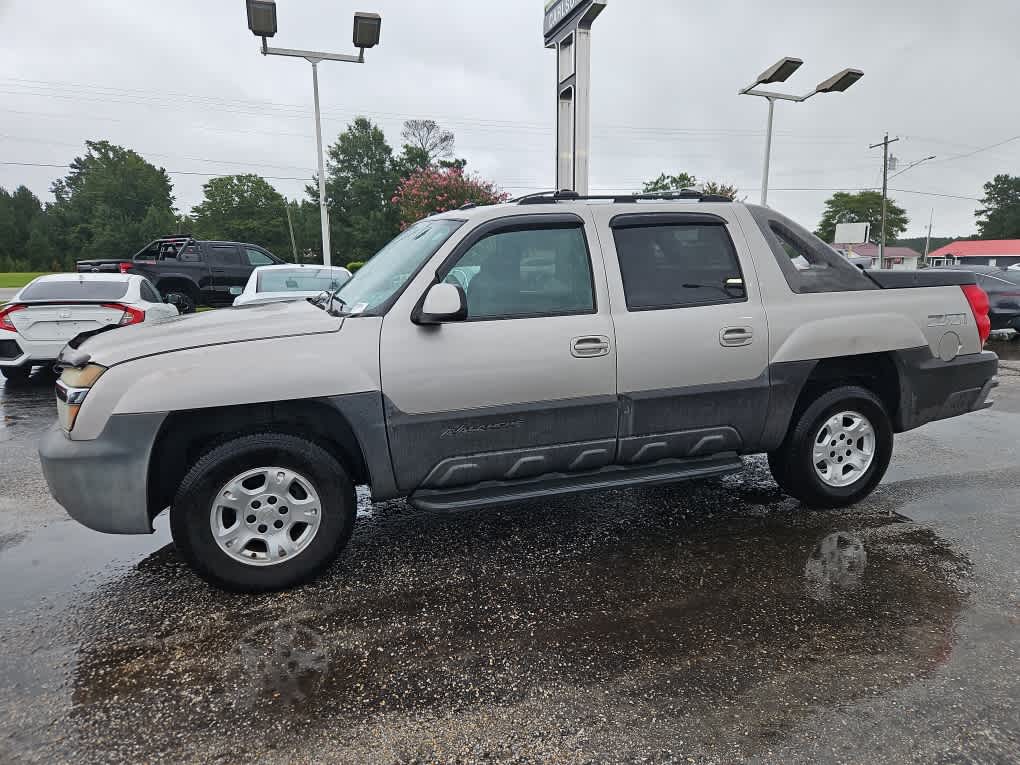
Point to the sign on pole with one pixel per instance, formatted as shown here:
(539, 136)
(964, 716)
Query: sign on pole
(852, 233)
(567, 28)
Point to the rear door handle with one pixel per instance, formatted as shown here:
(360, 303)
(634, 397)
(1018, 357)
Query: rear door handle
(219, 270)
(590, 346)
(732, 337)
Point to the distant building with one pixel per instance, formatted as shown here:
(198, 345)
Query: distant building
(896, 258)
(978, 252)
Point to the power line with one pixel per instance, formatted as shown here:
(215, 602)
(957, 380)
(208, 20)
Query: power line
(171, 172)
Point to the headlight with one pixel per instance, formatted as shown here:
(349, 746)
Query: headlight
(72, 387)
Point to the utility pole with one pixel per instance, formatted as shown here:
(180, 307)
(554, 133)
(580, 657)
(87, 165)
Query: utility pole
(290, 225)
(927, 241)
(885, 192)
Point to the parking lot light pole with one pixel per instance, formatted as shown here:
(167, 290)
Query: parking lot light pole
(367, 26)
(780, 72)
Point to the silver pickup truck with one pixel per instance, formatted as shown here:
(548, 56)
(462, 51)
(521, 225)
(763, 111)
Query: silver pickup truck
(555, 344)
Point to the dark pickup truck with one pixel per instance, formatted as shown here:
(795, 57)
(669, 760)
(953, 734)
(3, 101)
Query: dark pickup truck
(188, 272)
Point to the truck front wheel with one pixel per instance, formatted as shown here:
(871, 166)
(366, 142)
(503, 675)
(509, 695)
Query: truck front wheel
(263, 512)
(837, 449)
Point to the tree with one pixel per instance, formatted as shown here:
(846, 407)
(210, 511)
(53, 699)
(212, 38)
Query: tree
(110, 204)
(684, 180)
(438, 189)
(862, 207)
(243, 208)
(427, 140)
(721, 189)
(665, 182)
(360, 181)
(18, 213)
(1000, 216)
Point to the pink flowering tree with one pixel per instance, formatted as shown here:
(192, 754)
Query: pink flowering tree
(438, 189)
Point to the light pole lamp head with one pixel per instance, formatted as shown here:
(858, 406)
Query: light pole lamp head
(262, 17)
(779, 71)
(840, 82)
(367, 27)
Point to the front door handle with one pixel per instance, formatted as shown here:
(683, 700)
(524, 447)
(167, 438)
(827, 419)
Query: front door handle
(219, 270)
(732, 337)
(590, 346)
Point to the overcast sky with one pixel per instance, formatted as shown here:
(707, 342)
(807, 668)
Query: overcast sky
(181, 82)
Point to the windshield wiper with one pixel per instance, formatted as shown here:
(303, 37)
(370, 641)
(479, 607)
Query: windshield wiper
(326, 300)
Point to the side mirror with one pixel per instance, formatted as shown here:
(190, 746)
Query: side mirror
(442, 303)
(735, 288)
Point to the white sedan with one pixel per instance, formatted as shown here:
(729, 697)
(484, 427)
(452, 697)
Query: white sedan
(271, 284)
(51, 310)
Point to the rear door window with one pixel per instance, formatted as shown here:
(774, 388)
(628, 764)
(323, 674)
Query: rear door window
(678, 265)
(148, 292)
(224, 255)
(75, 289)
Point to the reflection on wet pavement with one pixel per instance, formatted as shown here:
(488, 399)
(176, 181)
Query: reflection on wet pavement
(620, 614)
(28, 408)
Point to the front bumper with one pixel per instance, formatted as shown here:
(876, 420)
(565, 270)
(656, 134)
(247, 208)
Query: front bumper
(932, 389)
(103, 483)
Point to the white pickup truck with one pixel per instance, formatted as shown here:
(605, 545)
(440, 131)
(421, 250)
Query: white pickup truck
(492, 354)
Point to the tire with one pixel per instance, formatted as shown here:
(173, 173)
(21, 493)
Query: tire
(327, 489)
(185, 303)
(821, 484)
(16, 374)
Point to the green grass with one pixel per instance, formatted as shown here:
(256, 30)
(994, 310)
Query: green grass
(17, 280)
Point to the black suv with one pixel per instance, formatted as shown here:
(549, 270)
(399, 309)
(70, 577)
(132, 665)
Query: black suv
(188, 272)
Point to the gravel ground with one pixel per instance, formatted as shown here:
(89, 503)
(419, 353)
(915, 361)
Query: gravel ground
(710, 622)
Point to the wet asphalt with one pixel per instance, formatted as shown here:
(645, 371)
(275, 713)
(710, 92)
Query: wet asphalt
(713, 622)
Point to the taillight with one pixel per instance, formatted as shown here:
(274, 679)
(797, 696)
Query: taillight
(130, 315)
(125, 267)
(978, 300)
(5, 320)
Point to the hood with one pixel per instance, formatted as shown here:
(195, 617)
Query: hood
(227, 325)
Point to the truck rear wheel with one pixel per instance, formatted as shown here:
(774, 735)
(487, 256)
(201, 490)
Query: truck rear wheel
(185, 303)
(263, 512)
(837, 450)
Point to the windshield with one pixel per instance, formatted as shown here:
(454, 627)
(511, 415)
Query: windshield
(386, 273)
(302, 280)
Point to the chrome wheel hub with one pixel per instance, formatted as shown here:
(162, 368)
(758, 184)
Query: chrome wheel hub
(844, 449)
(265, 516)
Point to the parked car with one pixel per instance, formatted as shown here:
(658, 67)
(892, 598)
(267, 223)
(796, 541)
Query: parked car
(663, 340)
(1003, 288)
(189, 273)
(51, 310)
(272, 284)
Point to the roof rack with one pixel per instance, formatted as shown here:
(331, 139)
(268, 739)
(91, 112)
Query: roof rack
(566, 195)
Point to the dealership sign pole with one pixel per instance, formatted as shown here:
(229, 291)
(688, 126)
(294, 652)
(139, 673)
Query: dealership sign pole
(568, 30)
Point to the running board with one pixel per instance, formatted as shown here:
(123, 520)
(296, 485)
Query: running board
(612, 477)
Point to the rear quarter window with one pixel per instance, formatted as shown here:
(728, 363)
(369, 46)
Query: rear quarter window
(808, 264)
(70, 289)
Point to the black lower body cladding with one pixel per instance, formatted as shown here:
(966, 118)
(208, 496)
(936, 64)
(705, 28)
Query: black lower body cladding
(932, 389)
(103, 483)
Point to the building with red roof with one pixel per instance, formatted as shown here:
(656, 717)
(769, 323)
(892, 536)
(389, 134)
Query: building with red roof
(896, 258)
(978, 252)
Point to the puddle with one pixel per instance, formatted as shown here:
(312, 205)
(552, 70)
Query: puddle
(65, 560)
(622, 604)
